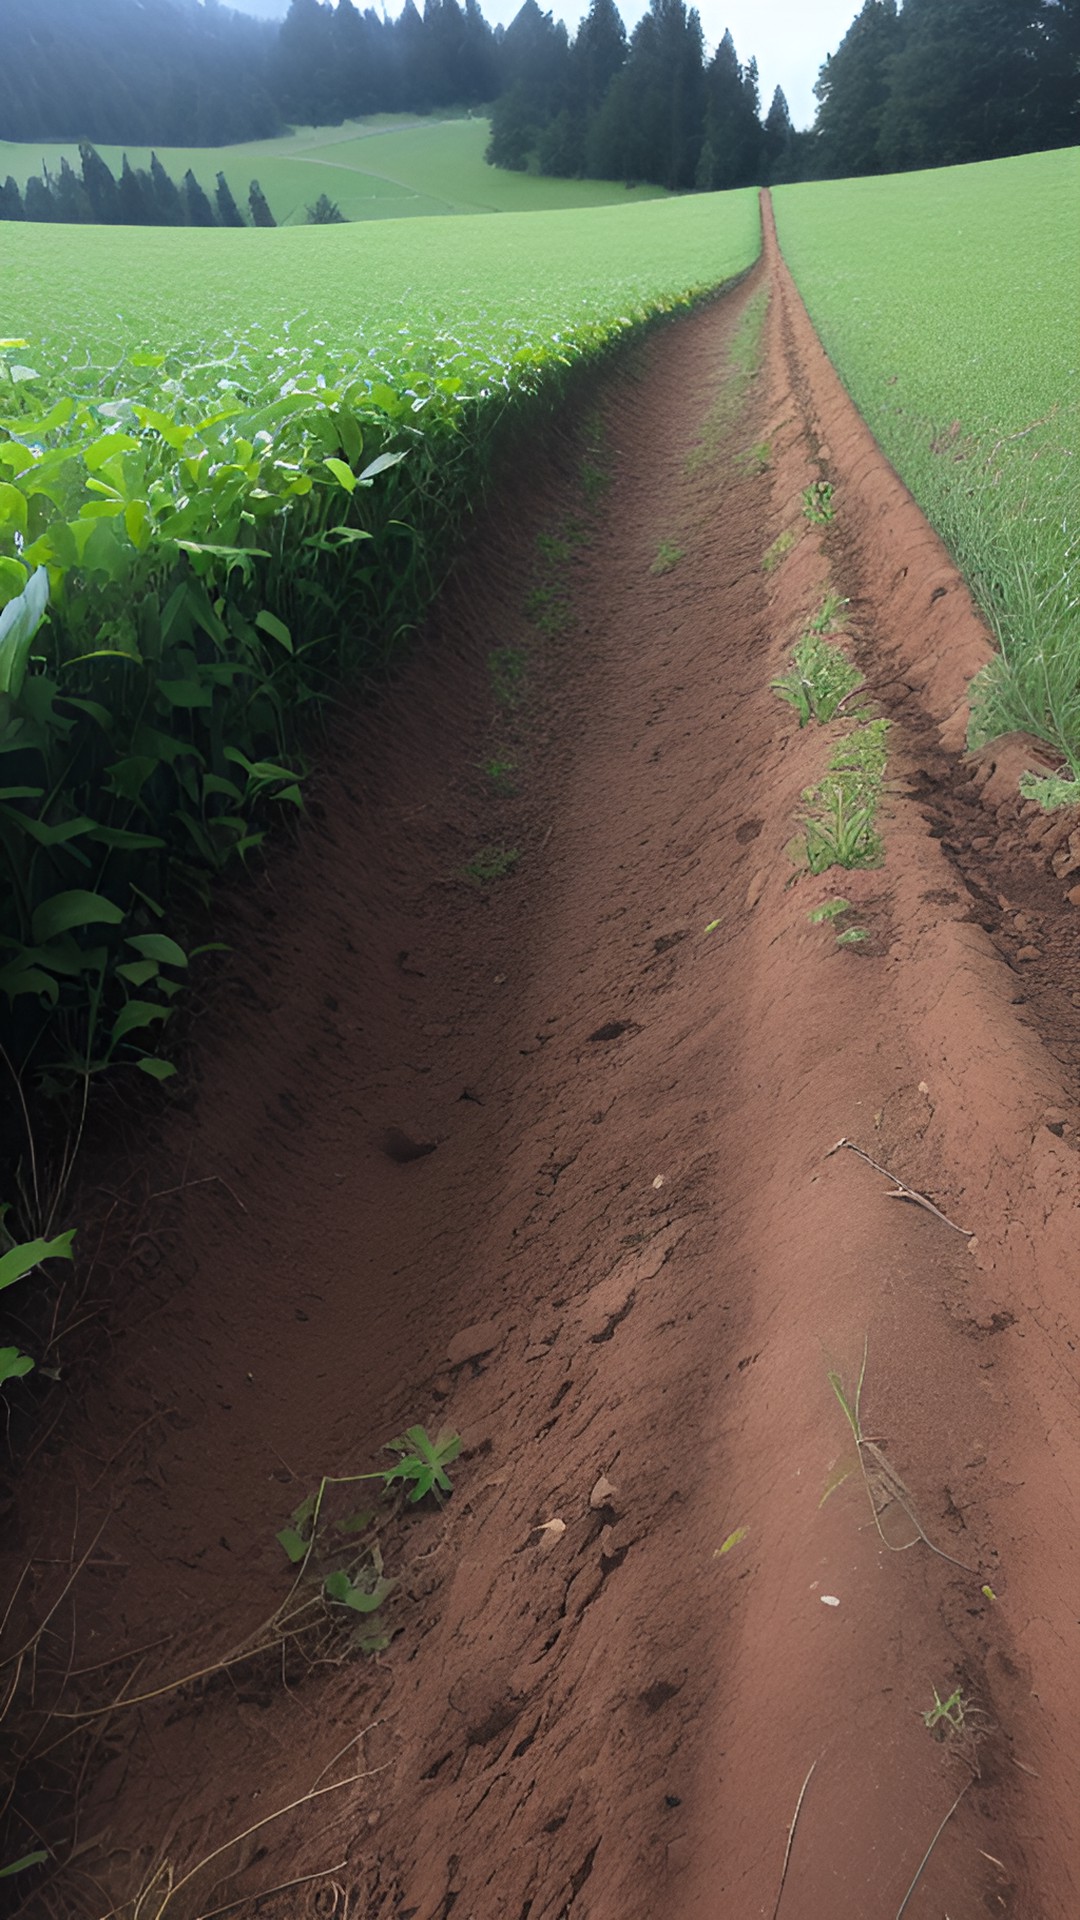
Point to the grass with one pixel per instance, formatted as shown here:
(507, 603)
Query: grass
(947, 300)
(668, 556)
(457, 300)
(773, 554)
(388, 167)
(492, 864)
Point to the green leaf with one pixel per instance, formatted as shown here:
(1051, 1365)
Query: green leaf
(73, 909)
(276, 628)
(424, 1461)
(342, 473)
(732, 1540)
(19, 622)
(14, 1366)
(157, 1069)
(338, 1586)
(134, 1015)
(380, 465)
(158, 946)
(21, 1260)
(17, 979)
(20, 1866)
(293, 1542)
(357, 1522)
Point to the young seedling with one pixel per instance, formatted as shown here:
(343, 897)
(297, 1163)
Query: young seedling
(506, 670)
(491, 864)
(829, 614)
(831, 910)
(885, 1490)
(667, 556)
(773, 555)
(945, 1716)
(500, 774)
(817, 503)
(819, 681)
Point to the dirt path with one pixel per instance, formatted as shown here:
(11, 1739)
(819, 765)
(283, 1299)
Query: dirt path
(629, 1264)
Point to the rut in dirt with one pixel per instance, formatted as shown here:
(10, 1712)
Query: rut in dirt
(542, 1155)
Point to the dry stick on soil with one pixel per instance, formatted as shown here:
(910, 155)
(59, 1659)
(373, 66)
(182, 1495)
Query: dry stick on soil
(884, 1487)
(791, 1841)
(283, 1886)
(930, 1849)
(172, 1887)
(901, 1190)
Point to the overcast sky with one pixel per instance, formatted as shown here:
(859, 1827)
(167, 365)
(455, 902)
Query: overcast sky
(789, 38)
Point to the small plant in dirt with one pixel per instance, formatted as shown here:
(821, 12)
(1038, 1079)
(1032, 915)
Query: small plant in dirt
(946, 1716)
(839, 826)
(756, 458)
(348, 1566)
(546, 607)
(832, 910)
(817, 501)
(819, 681)
(668, 555)
(500, 775)
(829, 615)
(491, 864)
(1051, 790)
(506, 671)
(773, 555)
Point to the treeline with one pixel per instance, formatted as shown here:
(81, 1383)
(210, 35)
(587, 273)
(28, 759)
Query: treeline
(945, 81)
(174, 73)
(142, 197)
(939, 82)
(648, 108)
(933, 82)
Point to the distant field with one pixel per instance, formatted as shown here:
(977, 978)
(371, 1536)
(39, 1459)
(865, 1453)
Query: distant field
(385, 168)
(377, 292)
(949, 303)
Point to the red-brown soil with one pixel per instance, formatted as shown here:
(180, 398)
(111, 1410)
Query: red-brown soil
(630, 1258)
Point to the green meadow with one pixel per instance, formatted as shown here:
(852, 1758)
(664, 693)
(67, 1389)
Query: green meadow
(949, 303)
(384, 168)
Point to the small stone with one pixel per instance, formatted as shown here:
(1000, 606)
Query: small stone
(1073, 896)
(1028, 953)
(603, 1494)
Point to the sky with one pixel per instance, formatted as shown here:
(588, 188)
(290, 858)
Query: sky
(789, 38)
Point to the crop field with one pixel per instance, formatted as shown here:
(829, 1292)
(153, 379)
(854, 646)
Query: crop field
(236, 463)
(388, 167)
(948, 303)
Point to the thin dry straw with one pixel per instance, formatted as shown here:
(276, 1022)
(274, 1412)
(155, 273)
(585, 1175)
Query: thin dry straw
(929, 1851)
(791, 1841)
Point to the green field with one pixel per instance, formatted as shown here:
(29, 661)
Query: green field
(494, 284)
(233, 468)
(385, 168)
(949, 302)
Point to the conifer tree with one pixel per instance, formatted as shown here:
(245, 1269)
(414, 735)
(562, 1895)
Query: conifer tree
(261, 215)
(11, 202)
(100, 186)
(229, 213)
(72, 199)
(38, 200)
(168, 206)
(196, 205)
(135, 206)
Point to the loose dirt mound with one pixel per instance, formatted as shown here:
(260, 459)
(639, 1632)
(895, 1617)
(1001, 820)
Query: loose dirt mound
(514, 1116)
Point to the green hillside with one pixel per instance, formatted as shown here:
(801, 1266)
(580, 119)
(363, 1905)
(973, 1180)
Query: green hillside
(386, 168)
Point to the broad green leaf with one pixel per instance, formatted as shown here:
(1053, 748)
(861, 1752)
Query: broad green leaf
(293, 1542)
(135, 1015)
(158, 946)
(19, 622)
(138, 972)
(342, 473)
(12, 507)
(157, 1069)
(15, 1366)
(21, 1260)
(71, 910)
(276, 628)
(338, 1586)
(381, 464)
(15, 980)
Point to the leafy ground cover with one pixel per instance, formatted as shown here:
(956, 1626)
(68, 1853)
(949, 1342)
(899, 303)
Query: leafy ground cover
(948, 303)
(388, 167)
(238, 463)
